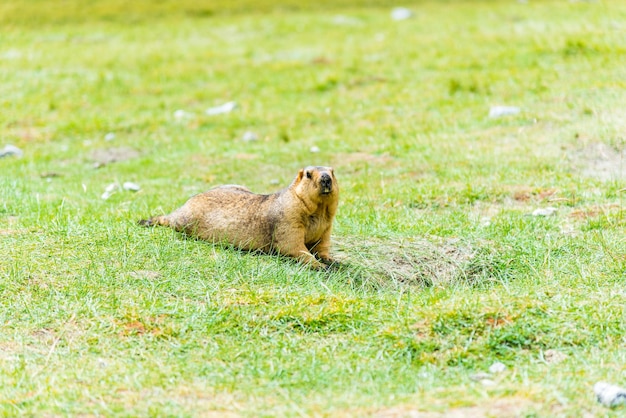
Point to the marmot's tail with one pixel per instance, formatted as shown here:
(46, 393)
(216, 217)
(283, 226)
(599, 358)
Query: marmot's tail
(155, 220)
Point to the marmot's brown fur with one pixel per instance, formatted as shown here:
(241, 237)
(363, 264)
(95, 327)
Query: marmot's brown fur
(295, 221)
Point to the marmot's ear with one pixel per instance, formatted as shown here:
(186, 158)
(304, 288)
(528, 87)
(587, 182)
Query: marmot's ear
(299, 176)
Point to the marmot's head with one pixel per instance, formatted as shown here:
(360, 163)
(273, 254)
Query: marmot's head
(316, 183)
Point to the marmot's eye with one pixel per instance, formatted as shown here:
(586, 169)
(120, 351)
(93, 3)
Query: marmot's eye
(308, 174)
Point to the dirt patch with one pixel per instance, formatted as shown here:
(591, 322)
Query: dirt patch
(134, 328)
(413, 262)
(245, 156)
(10, 351)
(600, 161)
(595, 211)
(502, 408)
(527, 193)
(106, 156)
(27, 131)
(554, 356)
(199, 400)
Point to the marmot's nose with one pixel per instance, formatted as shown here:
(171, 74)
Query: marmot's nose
(326, 182)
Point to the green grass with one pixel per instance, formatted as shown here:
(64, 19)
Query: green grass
(444, 271)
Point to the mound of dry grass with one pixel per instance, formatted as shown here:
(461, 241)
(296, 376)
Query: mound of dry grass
(419, 261)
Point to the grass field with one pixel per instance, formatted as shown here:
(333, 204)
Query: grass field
(445, 269)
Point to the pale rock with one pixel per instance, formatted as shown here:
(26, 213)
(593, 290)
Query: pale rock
(109, 191)
(401, 13)
(315, 149)
(109, 137)
(9, 150)
(609, 395)
(218, 110)
(497, 367)
(129, 185)
(549, 211)
(499, 111)
(180, 114)
(249, 136)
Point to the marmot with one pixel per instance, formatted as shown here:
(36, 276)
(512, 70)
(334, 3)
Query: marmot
(294, 222)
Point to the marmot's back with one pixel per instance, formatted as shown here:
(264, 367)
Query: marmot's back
(229, 214)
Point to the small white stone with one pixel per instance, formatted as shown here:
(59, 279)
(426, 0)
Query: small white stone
(11, 150)
(401, 13)
(274, 182)
(499, 111)
(225, 108)
(315, 149)
(488, 382)
(129, 185)
(249, 136)
(180, 114)
(109, 191)
(109, 137)
(497, 367)
(346, 20)
(424, 374)
(549, 211)
(609, 395)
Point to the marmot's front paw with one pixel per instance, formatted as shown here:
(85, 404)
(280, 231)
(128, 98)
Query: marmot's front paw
(328, 260)
(318, 266)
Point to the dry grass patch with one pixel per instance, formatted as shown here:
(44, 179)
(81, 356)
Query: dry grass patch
(599, 161)
(203, 400)
(407, 261)
(501, 408)
(102, 157)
